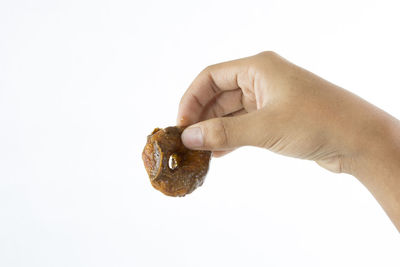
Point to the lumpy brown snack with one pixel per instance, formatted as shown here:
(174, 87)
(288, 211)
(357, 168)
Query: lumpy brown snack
(173, 169)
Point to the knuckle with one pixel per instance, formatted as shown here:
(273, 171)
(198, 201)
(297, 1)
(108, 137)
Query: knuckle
(217, 136)
(268, 54)
(263, 60)
(207, 70)
(206, 73)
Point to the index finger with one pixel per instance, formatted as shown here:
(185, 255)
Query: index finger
(211, 82)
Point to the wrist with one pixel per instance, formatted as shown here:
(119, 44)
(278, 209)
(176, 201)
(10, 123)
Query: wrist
(378, 167)
(378, 151)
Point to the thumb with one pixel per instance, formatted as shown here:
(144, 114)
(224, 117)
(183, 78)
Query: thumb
(223, 133)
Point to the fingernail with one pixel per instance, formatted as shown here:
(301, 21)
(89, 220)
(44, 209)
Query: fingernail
(192, 137)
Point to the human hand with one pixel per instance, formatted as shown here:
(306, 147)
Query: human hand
(268, 102)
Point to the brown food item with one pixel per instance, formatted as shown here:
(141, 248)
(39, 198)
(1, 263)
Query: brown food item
(173, 169)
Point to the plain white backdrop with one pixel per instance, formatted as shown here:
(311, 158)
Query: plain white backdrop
(82, 83)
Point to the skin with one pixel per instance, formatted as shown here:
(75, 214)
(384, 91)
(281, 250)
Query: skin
(266, 101)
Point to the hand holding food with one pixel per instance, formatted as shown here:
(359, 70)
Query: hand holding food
(174, 169)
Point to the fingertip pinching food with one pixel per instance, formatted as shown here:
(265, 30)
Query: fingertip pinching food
(174, 169)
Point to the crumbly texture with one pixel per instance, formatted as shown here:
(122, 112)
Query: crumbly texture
(187, 170)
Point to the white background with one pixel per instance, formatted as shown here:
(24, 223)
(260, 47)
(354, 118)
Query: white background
(83, 82)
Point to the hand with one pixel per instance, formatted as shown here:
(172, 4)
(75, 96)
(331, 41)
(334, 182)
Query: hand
(268, 102)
